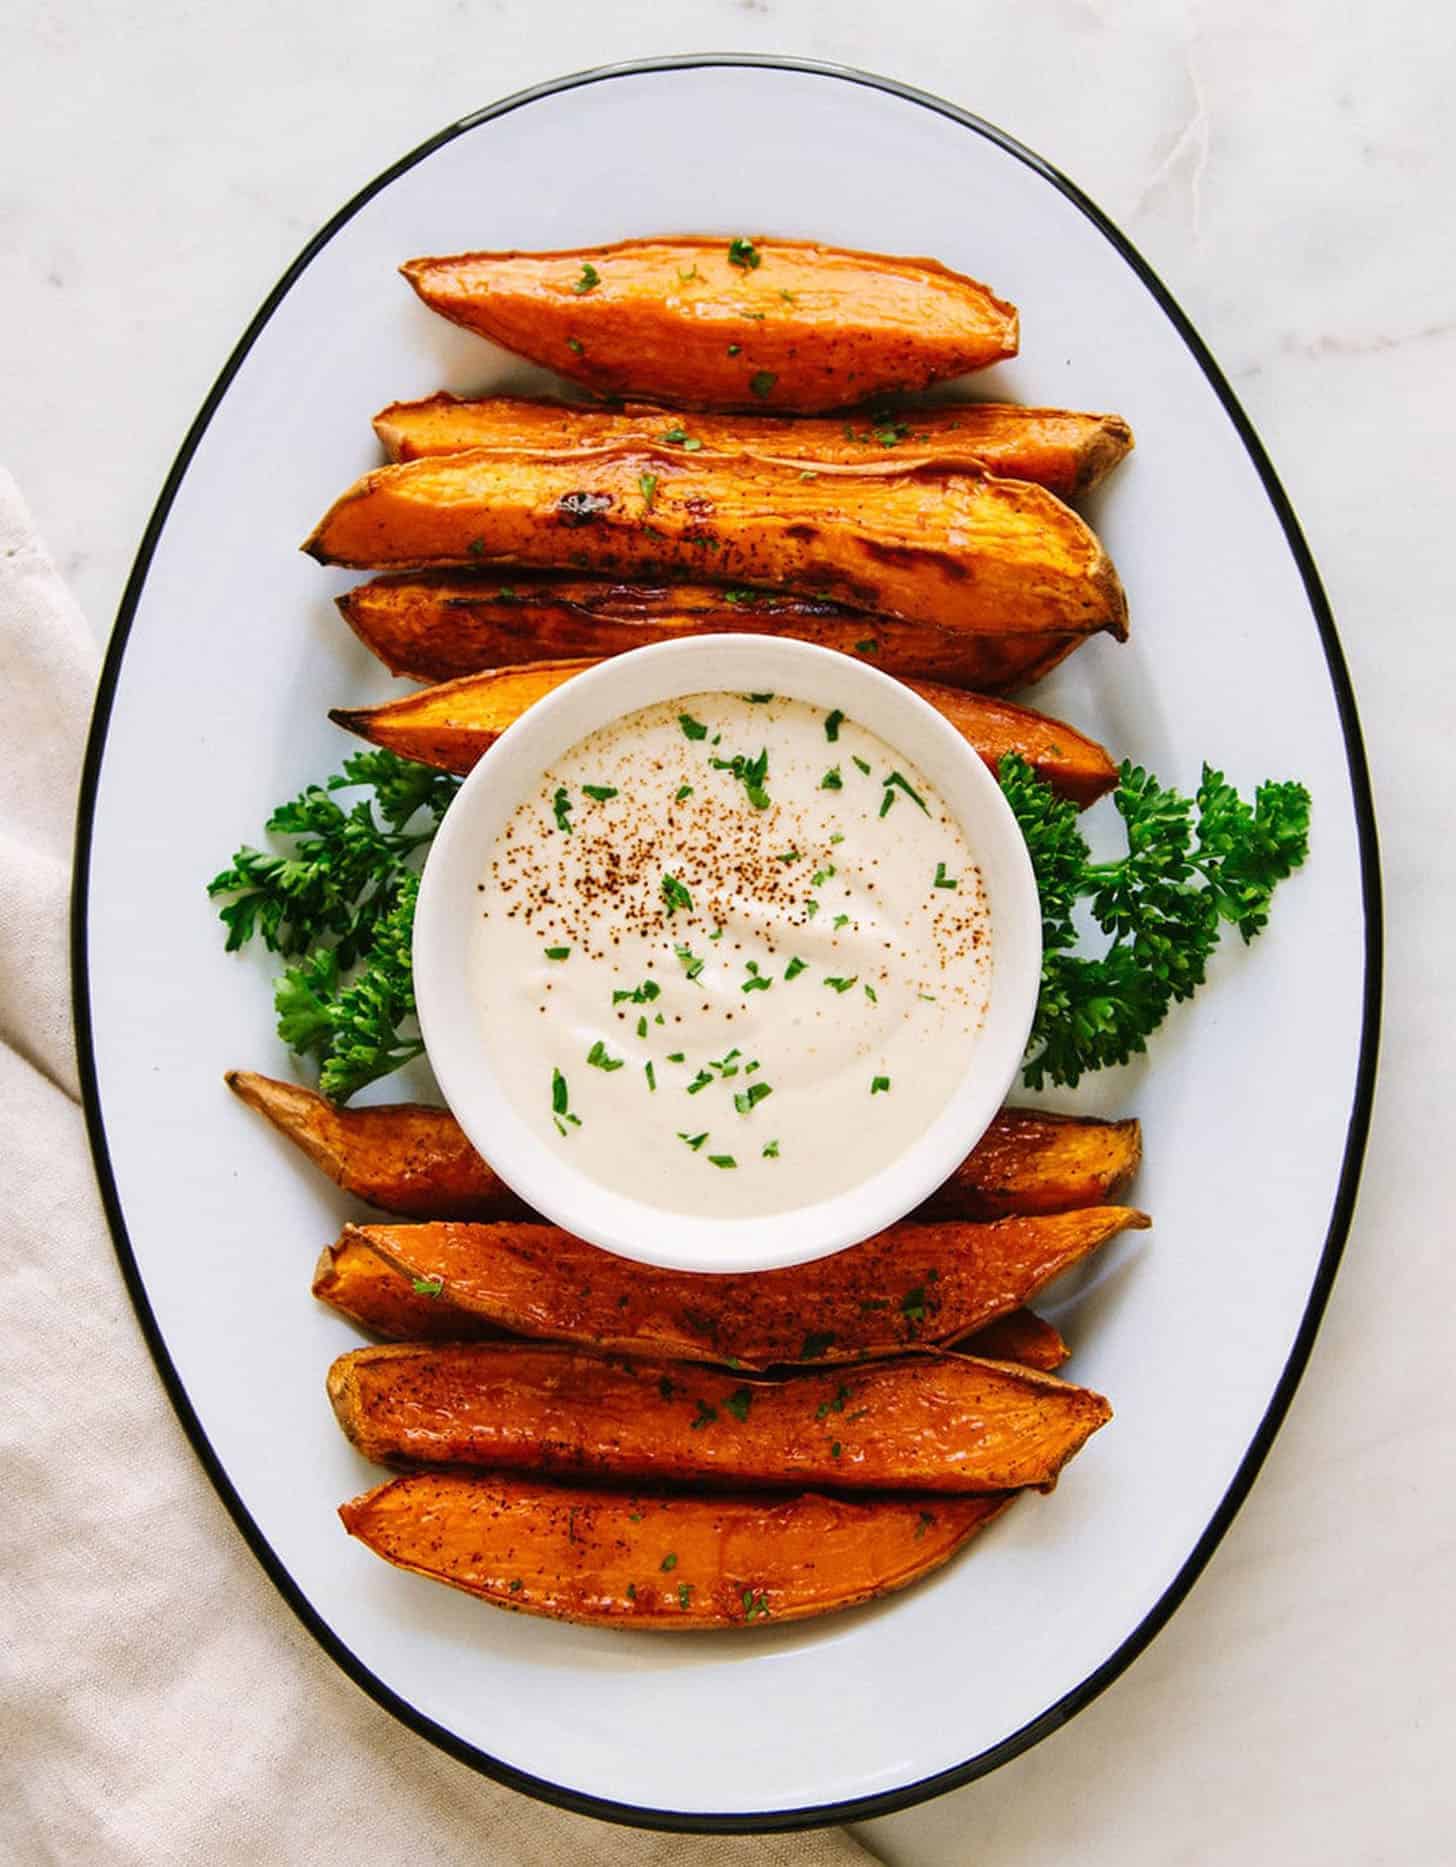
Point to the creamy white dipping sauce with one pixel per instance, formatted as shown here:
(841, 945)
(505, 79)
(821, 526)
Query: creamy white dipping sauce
(724, 988)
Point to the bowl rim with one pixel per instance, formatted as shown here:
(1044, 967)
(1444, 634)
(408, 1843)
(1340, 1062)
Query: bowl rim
(471, 1079)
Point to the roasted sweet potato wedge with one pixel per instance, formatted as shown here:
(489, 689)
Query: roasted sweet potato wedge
(726, 324)
(961, 550)
(931, 1423)
(675, 1563)
(404, 1157)
(914, 1285)
(353, 1279)
(414, 1160)
(450, 726)
(356, 1281)
(439, 625)
(1064, 451)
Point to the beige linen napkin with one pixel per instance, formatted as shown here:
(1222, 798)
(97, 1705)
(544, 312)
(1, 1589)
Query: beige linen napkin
(158, 1702)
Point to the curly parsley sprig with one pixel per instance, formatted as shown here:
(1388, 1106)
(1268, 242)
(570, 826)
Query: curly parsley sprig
(342, 897)
(1163, 904)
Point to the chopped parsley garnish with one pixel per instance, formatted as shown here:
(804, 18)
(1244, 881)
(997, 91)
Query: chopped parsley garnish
(923, 1523)
(558, 1093)
(684, 790)
(561, 806)
(744, 254)
(705, 1416)
(811, 907)
(647, 486)
(871, 994)
(838, 837)
(642, 1024)
(678, 436)
(684, 1595)
(756, 981)
(694, 1141)
(675, 895)
(912, 1304)
(632, 1586)
(751, 773)
(676, 1056)
(742, 596)
(880, 1086)
(692, 729)
(885, 802)
(748, 1099)
(599, 1060)
(722, 1160)
(832, 723)
(739, 1401)
(823, 876)
(835, 1450)
(599, 793)
(869, 647)
(754, 1604)
(795, 967)
(862, 765)
(816, 1344)
(639, 994)
(840, 920)
(942, 880)
(789, 855)
(573, 344)
(843, 985)
(762, 382)
(899, 778)
(590, 279)
(716, 934)
(558, 952)
(669, 1562)
(836, 1405)
(833, 780)
(771, 1150)
(427, 1286)
(733, 349)
(476, 547)
(651, 1075)
(692, 964)
(700, 1081)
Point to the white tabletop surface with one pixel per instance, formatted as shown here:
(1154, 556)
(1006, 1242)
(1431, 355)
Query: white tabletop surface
(1287, 168)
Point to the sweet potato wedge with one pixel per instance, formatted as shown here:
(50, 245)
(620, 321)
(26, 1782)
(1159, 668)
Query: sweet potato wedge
(962, 550)
(439, 625)
(413, 1159)
(452, 725)
(1057, 448)
(944, 1423)
(914, 1285)
(356, 1281)
(679, 1564)
(770, 324)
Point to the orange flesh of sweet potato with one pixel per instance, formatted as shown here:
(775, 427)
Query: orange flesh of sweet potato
(452, 725)
(357, 1282)
(1057, 448)
(674, 1563)
(946, 1423)
(808, 327)
(963, 550)
(414, 1160)
(439, 625)
(915, 1285)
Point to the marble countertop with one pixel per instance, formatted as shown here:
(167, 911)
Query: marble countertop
(1287, 168)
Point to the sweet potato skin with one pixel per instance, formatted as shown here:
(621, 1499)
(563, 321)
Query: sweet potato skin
(946, 1423)
(810, 327)
(413, 1159)
(1060, 449)
(439, 625)
(455, 724)
(913, 1286)
(359, 1284)
(663, 1563)
(964, 550)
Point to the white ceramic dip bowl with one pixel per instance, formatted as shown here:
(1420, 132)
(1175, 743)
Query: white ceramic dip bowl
(472, 1074)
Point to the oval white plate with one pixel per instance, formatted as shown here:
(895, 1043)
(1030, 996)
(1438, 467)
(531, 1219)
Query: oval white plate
(1255, 1099)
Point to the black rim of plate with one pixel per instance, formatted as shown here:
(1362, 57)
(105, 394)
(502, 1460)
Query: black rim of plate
(888, 1801)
